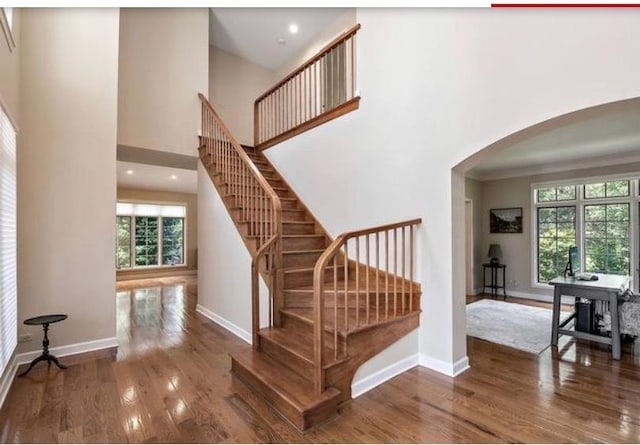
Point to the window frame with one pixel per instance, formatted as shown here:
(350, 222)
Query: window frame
(160, 240)
(6, 23)
(633, 199)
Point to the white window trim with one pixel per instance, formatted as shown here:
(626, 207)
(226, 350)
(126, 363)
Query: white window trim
(158, 266)
(634, 218)
(7, 27)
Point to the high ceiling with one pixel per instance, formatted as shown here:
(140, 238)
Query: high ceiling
(153, 177)
(253, 33)
(608, 139)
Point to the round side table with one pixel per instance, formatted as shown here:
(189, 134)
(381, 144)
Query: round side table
(45, 321)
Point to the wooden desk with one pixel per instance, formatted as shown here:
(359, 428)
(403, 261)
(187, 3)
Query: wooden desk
(607, 288)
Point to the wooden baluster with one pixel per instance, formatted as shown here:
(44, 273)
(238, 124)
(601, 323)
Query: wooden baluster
(354, 69)
(335, 308)
(386, 275)
(395, 272)
(410, 268)
(377, 277)
(357, 282)
(367, 276)
(404, 252)
(346, 284)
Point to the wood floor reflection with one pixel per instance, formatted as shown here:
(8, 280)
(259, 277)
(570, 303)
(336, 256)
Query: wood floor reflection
(170, 382)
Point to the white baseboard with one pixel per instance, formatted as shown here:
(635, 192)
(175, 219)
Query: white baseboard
(76, 348)
(228, 325)
(7, 379)
(379, 377)
(446, 368)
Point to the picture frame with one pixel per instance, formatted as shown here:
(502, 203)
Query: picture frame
(506, 220)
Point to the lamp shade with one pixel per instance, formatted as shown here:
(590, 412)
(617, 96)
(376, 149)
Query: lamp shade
(495, 251)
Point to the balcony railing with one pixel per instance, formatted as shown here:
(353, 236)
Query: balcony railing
(321, 89)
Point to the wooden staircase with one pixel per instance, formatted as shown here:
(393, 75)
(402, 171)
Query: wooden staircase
(330, 310)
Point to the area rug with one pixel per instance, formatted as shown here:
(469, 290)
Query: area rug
(515, 325)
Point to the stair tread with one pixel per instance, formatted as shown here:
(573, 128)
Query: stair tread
(288, 384)
(288, 339)
(301, 251)
(300, 269)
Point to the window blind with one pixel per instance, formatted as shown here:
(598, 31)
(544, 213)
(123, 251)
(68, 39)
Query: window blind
(133, 209)
(8, 278)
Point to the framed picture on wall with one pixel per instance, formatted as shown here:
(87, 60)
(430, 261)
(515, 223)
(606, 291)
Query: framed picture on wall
(505, 220)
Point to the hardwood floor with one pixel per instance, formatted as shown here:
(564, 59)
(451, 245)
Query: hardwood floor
(170, 382)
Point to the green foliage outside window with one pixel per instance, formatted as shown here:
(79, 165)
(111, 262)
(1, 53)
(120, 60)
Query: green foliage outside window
(146, 241)
(123, 241)
(556, 233)
(606, 238)
(172, 241)
(611, 189)
(560, 193)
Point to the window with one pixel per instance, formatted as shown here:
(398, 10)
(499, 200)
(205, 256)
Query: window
(613, 189)
(596, 216)
(556, 233)
(172, 241)
(606, 238)
(150, 235)
(6, 23)
(123, 246)
(8, 279)
(146, 241)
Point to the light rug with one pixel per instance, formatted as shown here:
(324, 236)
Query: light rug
(515, 325)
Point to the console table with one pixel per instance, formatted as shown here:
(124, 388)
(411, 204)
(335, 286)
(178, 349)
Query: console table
(606, 288)
(493, 285)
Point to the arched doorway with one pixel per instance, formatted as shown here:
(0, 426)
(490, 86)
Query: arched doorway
(595, 145)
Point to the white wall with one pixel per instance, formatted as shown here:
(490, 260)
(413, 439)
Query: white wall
(341, 24)
(438, 85)
(516, 192)
(224, 263)
(473, 191)
(67, 172)
(163, 66)
(234, 84)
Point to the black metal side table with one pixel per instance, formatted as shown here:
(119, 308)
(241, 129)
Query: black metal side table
(45, 321)
(493, 285)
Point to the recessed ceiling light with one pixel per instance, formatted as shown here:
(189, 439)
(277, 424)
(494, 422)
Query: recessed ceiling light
(293, 28)
(282, 42)
(174, 177)
(129, 172)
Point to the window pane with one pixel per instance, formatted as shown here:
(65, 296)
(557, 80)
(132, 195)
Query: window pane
(607, 238)
(617, 188)
(566, 192)
(547, 194)
(556, 233)
(172, 241)
(594, 190)
(146, 241)
(123, 241)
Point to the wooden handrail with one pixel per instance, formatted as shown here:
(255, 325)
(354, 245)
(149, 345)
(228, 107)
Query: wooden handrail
(325, 49)
(369, 280)
(320, 89)
(244, 156)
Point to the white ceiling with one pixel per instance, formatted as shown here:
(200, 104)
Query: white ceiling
(153, 177)
(253, 33)
(609, 139)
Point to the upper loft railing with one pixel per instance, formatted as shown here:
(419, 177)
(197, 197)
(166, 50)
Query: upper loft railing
(249, 194)
(364, 277)
(321, 89)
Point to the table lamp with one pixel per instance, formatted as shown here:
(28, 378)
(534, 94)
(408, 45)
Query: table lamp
(495, 253)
